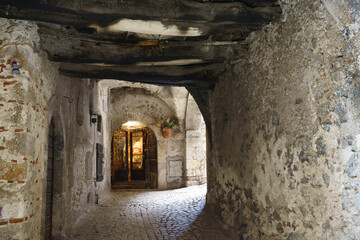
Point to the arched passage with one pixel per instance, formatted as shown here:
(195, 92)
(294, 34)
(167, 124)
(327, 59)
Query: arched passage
(134, 156)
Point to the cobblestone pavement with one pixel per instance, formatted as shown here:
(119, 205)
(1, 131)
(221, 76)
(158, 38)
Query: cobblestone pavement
(144, 214)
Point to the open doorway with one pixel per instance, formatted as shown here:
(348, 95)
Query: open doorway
(134, 157)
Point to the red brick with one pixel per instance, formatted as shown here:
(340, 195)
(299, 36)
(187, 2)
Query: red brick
(21, 181)
(331, 218)
(12, 101)
(19, 130)
(16, 220)
(26, 218)
(25, 159)
(3, 222)
(14, 161)
(9, 83)
(2, 148)
(6, 77)
(1, 105)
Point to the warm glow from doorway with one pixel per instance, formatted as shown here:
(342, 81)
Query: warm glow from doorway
(134, 124)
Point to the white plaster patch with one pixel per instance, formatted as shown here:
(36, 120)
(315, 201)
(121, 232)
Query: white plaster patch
(149, 27)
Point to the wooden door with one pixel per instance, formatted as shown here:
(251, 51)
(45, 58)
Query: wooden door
(49, 185)
(99, 162)
(137, 156)
(119, 161)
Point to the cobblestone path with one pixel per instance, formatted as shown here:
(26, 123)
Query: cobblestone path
(144, 214)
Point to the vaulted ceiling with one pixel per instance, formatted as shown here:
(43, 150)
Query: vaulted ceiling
(166, 42)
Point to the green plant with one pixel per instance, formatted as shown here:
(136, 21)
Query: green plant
(170, 123)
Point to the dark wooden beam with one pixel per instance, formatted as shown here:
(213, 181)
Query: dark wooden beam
(203, 76)
(183, 14)
(62, 49)
(172, 10)
(219, 32)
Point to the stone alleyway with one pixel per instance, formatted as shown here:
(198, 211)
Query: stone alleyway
(144, 214)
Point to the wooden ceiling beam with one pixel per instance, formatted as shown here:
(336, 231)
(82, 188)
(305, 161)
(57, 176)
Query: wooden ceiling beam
(216, 32)
(203, 76)
(62, 49)
(104, 13)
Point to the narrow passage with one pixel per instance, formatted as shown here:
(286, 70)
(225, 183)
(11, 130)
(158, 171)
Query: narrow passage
(144, 214)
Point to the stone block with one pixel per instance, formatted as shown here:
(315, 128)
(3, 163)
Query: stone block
(353, 166)
(357, 201)
(175, 166)
(12, 171)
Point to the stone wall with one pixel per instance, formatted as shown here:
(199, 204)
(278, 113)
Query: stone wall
(195, 165)
(347, 16)
(285, 126)
(28, 102)
(152, 105)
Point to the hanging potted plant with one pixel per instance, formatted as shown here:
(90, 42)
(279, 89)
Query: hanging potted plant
(167, 126)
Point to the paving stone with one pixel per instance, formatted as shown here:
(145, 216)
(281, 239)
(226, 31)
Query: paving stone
(145, 214)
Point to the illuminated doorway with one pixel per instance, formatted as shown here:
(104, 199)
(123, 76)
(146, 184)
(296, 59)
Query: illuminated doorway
(134, 157)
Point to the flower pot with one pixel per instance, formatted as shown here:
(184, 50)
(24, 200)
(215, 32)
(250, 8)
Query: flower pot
(166, 132)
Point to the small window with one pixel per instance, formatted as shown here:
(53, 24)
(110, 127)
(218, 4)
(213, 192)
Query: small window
(99, 123)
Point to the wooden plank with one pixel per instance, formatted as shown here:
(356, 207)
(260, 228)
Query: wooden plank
(49, 177)
(48, 221)
(48, 197)
(61, 49)
(49, 186)
(215, 31)
(84, 13)
(48, 209)
(203, 75)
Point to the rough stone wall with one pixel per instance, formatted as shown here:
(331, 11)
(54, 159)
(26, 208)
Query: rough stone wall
(347, 15)
(285, 161)
(195, 165)
(28, 102)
